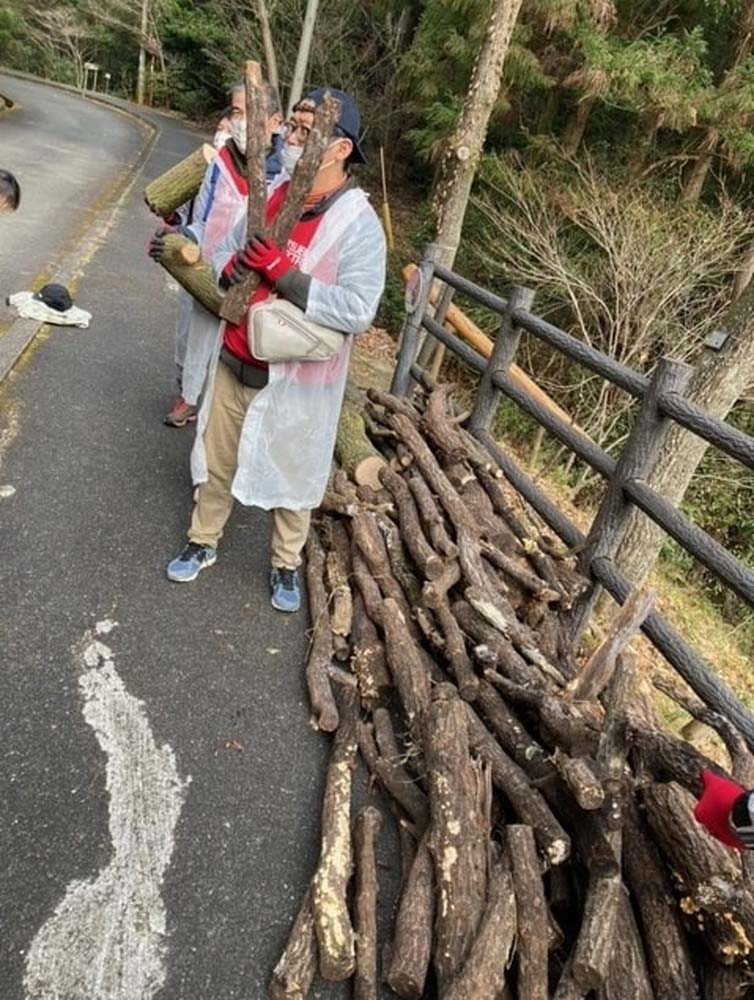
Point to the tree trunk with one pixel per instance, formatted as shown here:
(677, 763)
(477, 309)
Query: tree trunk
(460, 158)
(744, 274)
(141, 75)
(302, 59)
(692, 189)
(719, 380)
(576, 126)
(461, 155)
(270, 59)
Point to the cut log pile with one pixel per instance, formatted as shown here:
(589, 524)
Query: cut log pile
(544, 813)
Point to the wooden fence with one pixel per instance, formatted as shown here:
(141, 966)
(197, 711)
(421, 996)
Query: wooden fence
(661, 402)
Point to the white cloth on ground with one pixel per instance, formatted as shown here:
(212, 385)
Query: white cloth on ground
(28, 307)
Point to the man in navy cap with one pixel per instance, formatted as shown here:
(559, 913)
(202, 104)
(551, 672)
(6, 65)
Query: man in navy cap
(266, 432)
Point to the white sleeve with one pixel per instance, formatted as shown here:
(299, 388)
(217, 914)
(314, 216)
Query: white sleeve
(351, 303)
(230, 244)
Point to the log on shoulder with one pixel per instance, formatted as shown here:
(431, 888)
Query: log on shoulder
(180, 184)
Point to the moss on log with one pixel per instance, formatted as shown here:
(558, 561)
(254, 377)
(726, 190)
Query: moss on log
(198, 279)
(354, 451)
(180, 184)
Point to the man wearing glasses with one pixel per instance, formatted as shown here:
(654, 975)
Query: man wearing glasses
(266, 433)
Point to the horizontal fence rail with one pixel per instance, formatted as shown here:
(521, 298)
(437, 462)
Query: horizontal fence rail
(482, 295)
(716, 432)
(602, 364)
(670, 405)
(706, 549)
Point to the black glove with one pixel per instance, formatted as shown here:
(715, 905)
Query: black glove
(156, 247)
(235, 270)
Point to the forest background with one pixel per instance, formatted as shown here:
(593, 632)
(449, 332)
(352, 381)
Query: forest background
(617, 178)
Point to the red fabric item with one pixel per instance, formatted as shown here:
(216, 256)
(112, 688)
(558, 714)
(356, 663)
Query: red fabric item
(240, 180)
(714, 807)
(302, 234)
(265, 256)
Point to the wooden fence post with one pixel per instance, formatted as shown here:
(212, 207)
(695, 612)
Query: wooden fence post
(503, 353)
(637, 461)
(411, 331)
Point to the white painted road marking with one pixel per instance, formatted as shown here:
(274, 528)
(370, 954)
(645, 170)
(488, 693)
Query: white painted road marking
(105, 940)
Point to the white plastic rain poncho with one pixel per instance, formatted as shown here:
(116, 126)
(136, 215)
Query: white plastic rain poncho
(288, 436)
(217, 206)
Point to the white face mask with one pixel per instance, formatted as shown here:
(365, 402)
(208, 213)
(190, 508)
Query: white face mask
(289, 156)
(238, 131)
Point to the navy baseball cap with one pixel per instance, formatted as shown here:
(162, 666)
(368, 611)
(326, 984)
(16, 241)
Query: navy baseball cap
(349, 122)
(55, 297)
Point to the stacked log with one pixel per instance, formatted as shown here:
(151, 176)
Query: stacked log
(545, 814)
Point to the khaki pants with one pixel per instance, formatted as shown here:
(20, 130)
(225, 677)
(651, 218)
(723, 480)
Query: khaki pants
(214, 502)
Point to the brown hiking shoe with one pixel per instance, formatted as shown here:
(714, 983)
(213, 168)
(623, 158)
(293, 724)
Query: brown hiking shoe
(180, 414)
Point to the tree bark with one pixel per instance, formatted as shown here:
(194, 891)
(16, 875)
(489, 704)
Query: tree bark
(294, 973)
(332, 922)
(368, 658)
(702, 866)
(692, 189)
(576, 126)
(409, 673)
(531, 914)
(412, 941)
(483, 976)
(270, 59)
(667, 950)
(321, 649)
(461, 155)
(719, 380)
(302, 57)
(366, 830)
(458, 833)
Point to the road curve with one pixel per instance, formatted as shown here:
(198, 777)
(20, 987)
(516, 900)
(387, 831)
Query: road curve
(67, 154)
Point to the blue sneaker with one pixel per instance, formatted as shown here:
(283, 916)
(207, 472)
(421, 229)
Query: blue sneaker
(189, 564)
(286, 593)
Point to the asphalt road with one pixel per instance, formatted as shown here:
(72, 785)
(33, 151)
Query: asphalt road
(160, 783)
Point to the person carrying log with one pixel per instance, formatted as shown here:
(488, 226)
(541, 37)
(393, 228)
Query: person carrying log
(266, 432)
(10, 192)
(205, 220)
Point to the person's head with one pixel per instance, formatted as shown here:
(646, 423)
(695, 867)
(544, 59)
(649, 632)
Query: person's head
(342, 151)
(236, 114)
(10, 192)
